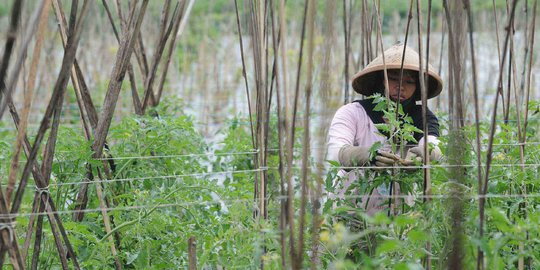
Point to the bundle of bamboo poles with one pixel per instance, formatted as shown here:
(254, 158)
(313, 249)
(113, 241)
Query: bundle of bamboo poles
(94, 124)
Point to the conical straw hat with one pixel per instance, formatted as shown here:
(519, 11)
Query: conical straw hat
(370, 79)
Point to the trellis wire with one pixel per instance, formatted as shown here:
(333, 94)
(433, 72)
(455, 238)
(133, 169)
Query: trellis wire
(250, 200)
(375, 168)
(161, 177)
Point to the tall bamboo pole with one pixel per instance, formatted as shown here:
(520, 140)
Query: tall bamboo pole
(306, 138)
(423, 91)
(466, 3)
(324, 94)
(492, 133)
(290, 147)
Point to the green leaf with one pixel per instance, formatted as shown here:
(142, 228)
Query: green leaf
(388, 246)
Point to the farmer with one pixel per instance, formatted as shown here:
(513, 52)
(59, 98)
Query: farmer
(352, 132)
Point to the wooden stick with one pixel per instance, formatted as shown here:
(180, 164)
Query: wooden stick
(492, 131)
(178, 30)
(290, 147)
(347, 36)
(119, 70)
(27, 100)
(16, 70)
(39, 236)
(306, 138)
(134, 93)
(58, 92)
(10, 41)
(40, 183)
(325, 93)
(466, 3)
(244, 73)
(107, 223)
(192, 253)
(149, 95)
(424, 96)
(279, 109)
(8, 236)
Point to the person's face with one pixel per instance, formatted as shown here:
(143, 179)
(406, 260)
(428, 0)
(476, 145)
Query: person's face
(408, 85)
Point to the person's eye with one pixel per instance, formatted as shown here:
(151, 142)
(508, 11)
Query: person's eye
(411, 82)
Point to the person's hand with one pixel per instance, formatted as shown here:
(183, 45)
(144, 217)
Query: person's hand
(385, 159)
(350, 156)
(417, 154)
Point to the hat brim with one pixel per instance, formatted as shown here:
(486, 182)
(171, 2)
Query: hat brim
(370, 80)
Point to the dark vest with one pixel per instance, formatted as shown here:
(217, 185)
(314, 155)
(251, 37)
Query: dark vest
(413, 110)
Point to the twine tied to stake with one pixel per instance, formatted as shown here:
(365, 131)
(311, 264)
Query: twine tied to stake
(9, 227)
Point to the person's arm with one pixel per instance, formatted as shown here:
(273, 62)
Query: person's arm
(342, 134)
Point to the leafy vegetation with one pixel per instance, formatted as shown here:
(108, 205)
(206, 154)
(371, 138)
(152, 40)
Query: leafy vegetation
(162, 194)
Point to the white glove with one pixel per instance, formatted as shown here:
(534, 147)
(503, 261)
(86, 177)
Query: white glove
(350, 156)
(417, 153)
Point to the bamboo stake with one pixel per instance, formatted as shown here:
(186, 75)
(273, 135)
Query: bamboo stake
(466, 3)
(178, 30)
(325, 93)
(134, 93)
(290, 186)
(56, 99)
(36, 206)
(39, 236)
(58, 92)
(456, 135)
(283, 54)
(27, 100)
(149, 95)
(523, 138)
(306, 137)
(119, 71)
(492, 131)
(113, 90)
(283, 208)
(10, 41)
(16, 70)
(8, 236)
(84, 101)
(499, 87)
(423, 91)
(244, 73)
(347, 36)
(192, 253)
(39, 179)
(107, 223)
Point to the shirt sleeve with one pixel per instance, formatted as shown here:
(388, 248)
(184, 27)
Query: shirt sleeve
(342, 130)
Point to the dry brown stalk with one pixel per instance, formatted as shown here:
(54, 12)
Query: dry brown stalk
(276, 38)
(244, 72)
(325, 92)
(58, 91)
(290, 146)
(134, 93)
(347, 21)
(305, 172)
(10, 42)
(423, 91)
(466, 3)
(492, 133)
(177, 31)
(119, 70)
(192, 253)
(16, 69)
(149, 95)
(27, 101)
